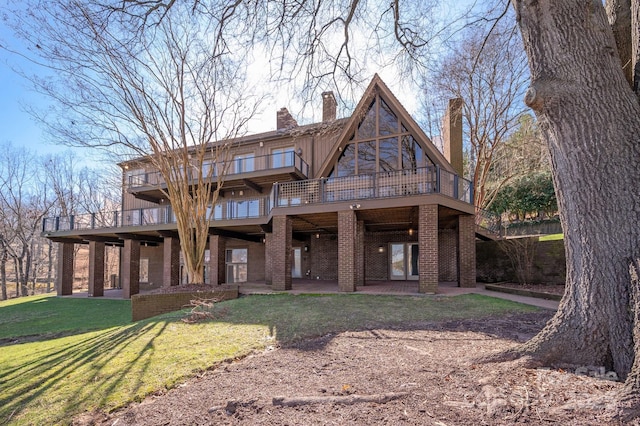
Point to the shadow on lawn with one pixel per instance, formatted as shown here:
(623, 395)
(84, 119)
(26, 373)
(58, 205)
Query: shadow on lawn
(50, 370)
(47, 316)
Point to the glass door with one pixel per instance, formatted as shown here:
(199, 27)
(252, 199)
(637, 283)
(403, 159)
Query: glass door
(403, 261)
(296, 262)
(397, 269)
(412, 261)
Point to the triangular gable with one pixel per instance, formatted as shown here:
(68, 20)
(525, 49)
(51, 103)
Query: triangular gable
(377, 86)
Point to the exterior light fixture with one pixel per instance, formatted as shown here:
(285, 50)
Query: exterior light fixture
(380, 249)
(306, 248)
(318, 235)
(410, 231)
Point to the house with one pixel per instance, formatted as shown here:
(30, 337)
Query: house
(350, 200)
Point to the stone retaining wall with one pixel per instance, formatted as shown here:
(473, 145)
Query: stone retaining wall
(149, 305)
(493, 265)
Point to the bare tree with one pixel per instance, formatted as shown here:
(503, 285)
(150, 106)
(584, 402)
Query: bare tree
(488, 70)
(170, 95)
(24, 204)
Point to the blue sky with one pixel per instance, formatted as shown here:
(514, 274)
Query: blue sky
(19, 128)
(16, 125)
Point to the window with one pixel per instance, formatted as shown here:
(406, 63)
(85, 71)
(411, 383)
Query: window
(144, 270)
(282, 157)
(244, 208)
(381, 143)
(389, 155)
(367, 157)
(236, 260)
(347, 161)
(243, 163)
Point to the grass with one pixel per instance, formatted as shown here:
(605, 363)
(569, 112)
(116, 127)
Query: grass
(551, 237)
(63, 356)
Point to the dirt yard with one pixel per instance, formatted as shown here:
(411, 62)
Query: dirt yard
(426, 374)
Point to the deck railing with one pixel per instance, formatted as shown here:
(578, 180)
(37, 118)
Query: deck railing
(228, 210)
(402, 183)
(235, 166)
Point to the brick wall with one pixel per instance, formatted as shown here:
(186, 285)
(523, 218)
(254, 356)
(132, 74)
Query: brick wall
(323, 257)
(466, 251)
(149, 305)
(281, 254)
(96, 268)
(428, 261)
(448, 255)
(170, 263)
(493, 265)
(64, 277)
(347, 252)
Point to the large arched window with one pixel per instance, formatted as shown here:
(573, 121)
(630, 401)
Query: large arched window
(381, 143)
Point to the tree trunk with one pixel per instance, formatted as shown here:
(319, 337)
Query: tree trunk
(590, 118)
(3, 271)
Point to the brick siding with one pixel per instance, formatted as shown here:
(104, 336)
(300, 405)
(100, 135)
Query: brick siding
(96, 268)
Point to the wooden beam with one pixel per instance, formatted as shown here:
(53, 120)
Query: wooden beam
(234, 234)
(252, 185)
(139, 237)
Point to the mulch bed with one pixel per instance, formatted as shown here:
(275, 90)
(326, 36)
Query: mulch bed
(432, 371)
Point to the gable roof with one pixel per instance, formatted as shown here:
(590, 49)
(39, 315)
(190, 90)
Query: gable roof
(377, 86)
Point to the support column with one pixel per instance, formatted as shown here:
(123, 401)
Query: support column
(466, 251)
(64, 277)
(428, 248)
(96, 268)
(360, 253)
(347, 265)
(217, 260)
(281, 253)
(170, 261)
(268, 258)
(130, 268)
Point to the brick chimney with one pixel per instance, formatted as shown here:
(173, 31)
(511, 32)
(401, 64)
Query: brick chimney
(452, 134)
(329, 105)
(284, 120)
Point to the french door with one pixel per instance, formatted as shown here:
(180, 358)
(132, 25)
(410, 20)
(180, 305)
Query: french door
(403, 261)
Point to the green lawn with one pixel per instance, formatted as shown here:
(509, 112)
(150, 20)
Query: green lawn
(63, 356)
(551, 237)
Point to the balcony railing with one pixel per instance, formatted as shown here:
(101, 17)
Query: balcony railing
(232, 209)
(402, 183)
(235, 166)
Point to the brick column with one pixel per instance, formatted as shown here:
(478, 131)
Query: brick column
(466, 251)
(360, 253)
(96, 268)
(268, 267)
(217, 260)
(428, 248)
(281, 253)
(170, 261)
(130, 268)
(347, 265)
(64, 276)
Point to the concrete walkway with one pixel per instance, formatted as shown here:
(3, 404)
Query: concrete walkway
(389, 288)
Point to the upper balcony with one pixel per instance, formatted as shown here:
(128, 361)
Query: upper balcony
(314, 195)
(244, 171)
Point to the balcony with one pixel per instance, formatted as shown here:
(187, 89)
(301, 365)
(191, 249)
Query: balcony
(243, 172)
(402, 184)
